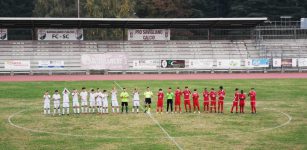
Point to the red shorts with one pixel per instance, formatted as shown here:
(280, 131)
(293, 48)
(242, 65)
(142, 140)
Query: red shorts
(177, 102)
(195, 103)
(235, 103)
(253, 103)
(213, 102)
(206, 103)
(187, 102)
(221, 102)
(160, 103)
(242, 103)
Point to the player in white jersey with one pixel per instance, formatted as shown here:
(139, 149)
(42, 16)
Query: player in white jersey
(114, 100)
(46, 103)
(92, 101)
(56, 102)
(83, 95)
(99, 100)
(136, 100)
(105, 102)
(75, 101)
(65, 101)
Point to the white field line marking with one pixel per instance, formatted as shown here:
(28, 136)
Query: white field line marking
(83, 135)
(279, 126)
(67, 134)
(157, 122)
(79, 135)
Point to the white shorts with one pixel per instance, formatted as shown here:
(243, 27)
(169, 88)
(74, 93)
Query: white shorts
(56, 104)
(92, 103)
(66, 105)
(114, 103)
(99, 103)
(136, 103)
(46, 105)
(83, 103)
(105, 103)
(75, 104)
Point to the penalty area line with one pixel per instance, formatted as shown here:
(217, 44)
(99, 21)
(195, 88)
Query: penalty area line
(159, 125)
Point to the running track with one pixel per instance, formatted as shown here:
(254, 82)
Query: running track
(28, 78)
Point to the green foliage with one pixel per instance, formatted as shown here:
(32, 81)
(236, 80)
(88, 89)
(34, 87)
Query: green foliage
(16, 8)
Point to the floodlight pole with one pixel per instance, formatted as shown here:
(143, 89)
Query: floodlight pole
(78, 8)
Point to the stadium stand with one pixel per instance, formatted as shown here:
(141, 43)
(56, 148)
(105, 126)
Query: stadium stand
(71, 51)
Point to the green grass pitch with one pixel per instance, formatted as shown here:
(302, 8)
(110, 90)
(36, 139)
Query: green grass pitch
(278, 101)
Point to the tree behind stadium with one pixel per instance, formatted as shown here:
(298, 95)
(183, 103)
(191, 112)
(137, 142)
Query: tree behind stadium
(88, 8)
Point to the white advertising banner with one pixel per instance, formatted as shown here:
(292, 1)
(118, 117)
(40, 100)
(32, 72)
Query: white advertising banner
(222, 63)
(248, 63)
(17, 64)
(149, 34)
(294, 62)
(200, 63)
(228, 63)
(60, 34)
(276, 62)
(111, 61)
(145, 64)
(51, 64)
(302, 62)
(3, 34)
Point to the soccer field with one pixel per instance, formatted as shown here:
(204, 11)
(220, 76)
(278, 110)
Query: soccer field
(280, 122)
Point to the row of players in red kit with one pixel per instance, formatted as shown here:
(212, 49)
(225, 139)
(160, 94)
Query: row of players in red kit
(210, 98)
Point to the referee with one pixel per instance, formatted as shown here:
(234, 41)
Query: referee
(148, 94)
(170, 96)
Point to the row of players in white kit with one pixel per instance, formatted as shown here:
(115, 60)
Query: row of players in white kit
(97, 100)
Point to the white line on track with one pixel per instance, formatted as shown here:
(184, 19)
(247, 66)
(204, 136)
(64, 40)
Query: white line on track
(159, 125)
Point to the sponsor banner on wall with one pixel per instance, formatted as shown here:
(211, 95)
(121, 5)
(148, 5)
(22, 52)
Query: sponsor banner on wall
(111, 61)
(261, 62)
(303, 23)
(248, 63)
(51, 64)
(17, 64)
(255, 63)
(302, 62)
(294, 62)
(149, 34)
(200, 63)
(228, 63)
(145, 64)
(286, 62)
(276, 62)
(172, 63)
(60, 34)
(3, 34)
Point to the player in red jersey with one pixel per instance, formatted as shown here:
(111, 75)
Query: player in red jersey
(195, 97)
(235, 100)
(213, 100)
(252, 96)
(242, 98)
(206, 100)
(160, 101)
(178, 94)
(221, 94)
(186, 96)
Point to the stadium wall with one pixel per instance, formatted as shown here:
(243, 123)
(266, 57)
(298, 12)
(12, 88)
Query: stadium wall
(130, 57)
